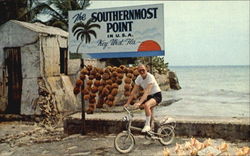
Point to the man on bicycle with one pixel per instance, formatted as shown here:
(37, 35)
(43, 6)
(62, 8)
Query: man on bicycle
(151, 96)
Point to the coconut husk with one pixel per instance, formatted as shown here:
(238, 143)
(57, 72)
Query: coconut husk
(89, 82)
(82, 77)
(119, 81)
(91, 77)
(106, 76)
(93, 71)
(89, 67)
(119, 70)
(114, 91)
(110, 97)
(85, 91)
(109, 103)
(76, 90)
(100, 88)
(122, 67)
(114, 85)
(103, 83)
(127, 87)
(130, 70)
(113, 79)
(120, 75)
(128, 80)
(98, 76)
(90, 110)
(85, 71)
(109, 82)
(130, 75)
(97, 83)
(92, 95)
(79, 83)
(105, 91)
(109, 87)
(135, 73)
(92, 100)
(126, 93)
(114, 74)
(86, 97)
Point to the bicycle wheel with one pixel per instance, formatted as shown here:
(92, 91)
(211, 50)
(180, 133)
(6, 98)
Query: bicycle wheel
(124, 142)
(166, 134)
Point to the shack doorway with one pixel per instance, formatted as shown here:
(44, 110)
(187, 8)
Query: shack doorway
(14, 79)
(63, 61)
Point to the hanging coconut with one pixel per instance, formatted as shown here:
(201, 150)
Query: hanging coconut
(100, 88)
(130, 75)
(93, 71)
(89, 82)
(86, 97)
(79, 83)
(127, 87)
(82, 77)
(105, 91)
(92, 100)
(120, 75)
(91, 77)
(110, 97)
(136, 73)
(94, 89)
(105, 76)
(89, 67)
(109, 82)
(84, 71)
(98, 76)
(114, 85)
(76, 90)
(130, 70)
(92, 95)
(109, 87)
(90, 110)
(109, 103)
(85, 91)
(127, 93)
(102, 82)
(122, 67)
(97, 83)
(128, 80)
(119, 81)
(119, 70)
(114, 91)
(114, 74)
(113, 79)
(107, 70)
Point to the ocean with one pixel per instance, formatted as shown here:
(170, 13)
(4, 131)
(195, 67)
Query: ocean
(209, 91)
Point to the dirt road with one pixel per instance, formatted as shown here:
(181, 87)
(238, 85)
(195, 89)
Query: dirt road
(22, 139)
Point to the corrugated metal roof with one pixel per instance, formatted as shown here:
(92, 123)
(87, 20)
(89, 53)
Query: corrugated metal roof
(41, 28)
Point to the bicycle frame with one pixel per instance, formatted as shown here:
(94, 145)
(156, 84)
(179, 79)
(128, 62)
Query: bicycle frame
(129, 118)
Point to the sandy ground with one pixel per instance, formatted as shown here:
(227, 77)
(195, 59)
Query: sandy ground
(26, 138)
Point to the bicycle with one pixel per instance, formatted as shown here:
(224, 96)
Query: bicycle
(164, 132)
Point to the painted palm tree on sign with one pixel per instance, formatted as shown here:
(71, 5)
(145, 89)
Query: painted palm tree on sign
(83, 31)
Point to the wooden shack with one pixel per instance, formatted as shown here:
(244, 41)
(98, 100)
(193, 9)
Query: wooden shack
(34, 69)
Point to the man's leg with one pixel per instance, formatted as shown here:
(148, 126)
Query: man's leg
(147, 106)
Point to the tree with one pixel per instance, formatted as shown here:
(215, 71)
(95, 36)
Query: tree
(58, 10)
(84, 31)
(15, 9)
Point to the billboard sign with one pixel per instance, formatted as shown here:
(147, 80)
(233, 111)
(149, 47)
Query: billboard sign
(117, 32)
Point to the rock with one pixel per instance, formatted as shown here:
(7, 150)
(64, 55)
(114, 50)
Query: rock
(174, 83)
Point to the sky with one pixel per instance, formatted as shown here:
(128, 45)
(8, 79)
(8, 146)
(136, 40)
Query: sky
(201, 32)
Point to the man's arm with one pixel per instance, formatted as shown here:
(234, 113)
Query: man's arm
(145, 94)
(132, 94)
